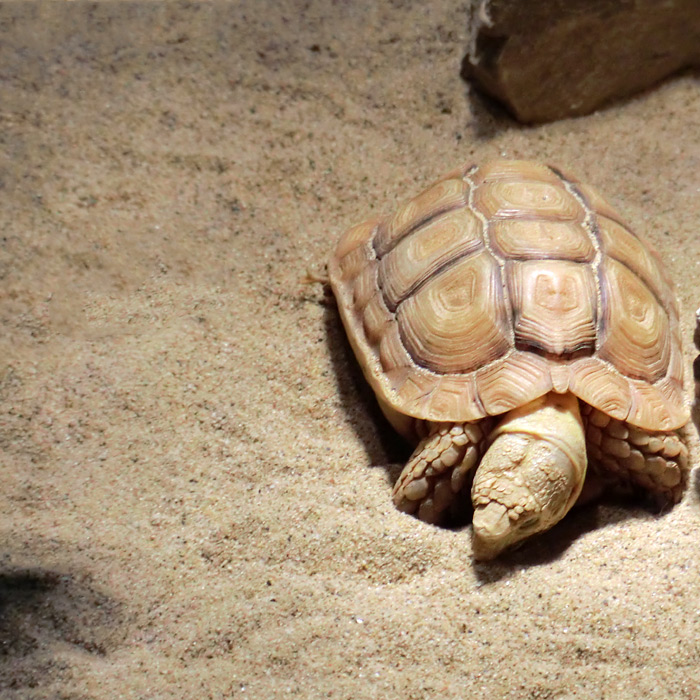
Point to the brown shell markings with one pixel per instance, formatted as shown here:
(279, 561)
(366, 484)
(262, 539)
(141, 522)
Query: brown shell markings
(503, 282)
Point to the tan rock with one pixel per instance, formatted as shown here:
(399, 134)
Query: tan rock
(549, 59)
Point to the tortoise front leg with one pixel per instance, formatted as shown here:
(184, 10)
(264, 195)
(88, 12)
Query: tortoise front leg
(438, 468)
(656, 460)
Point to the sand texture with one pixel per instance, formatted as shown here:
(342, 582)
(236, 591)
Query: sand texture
(196, 481)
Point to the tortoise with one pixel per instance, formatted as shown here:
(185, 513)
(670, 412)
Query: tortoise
(516, 330)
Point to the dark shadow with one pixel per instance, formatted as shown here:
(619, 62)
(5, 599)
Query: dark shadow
(695, 483)
(384, 446)
(489, 117)
(42, 609)
(548, 546)
(695, 409)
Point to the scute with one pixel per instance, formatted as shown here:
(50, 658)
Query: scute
(525, 239)
(456, 322)
(537, 201)
(500, 283)
(415, 258)
(443, 196)
(513, 381)
(554, 305)
(620, 243)
(636, 337)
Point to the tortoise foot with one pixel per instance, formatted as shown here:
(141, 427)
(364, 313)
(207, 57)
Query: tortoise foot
(655, 460)
(438, 469)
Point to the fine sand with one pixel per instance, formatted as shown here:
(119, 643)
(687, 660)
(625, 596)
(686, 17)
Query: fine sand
(195, 480)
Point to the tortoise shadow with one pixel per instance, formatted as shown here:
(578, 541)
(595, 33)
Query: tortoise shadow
(384, 447)
(547, 547)
(695, 409)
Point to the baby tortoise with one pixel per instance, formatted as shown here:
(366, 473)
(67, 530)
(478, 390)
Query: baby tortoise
(517, 330)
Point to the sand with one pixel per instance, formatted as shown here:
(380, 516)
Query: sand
(196, 482)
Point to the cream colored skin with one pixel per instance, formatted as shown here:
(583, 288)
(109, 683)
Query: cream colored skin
(531, 474)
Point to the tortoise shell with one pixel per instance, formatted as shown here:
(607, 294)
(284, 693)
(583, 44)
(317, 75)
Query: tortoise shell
(500, 283)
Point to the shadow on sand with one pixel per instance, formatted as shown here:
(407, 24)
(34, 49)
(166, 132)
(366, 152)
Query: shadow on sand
(42, 612)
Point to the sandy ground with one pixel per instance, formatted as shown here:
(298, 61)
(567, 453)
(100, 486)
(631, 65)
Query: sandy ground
(196, 482)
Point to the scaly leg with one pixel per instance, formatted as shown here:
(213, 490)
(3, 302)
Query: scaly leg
(654, 460)
(438, 468)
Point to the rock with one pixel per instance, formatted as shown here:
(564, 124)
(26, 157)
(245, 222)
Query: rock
(549, 59)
